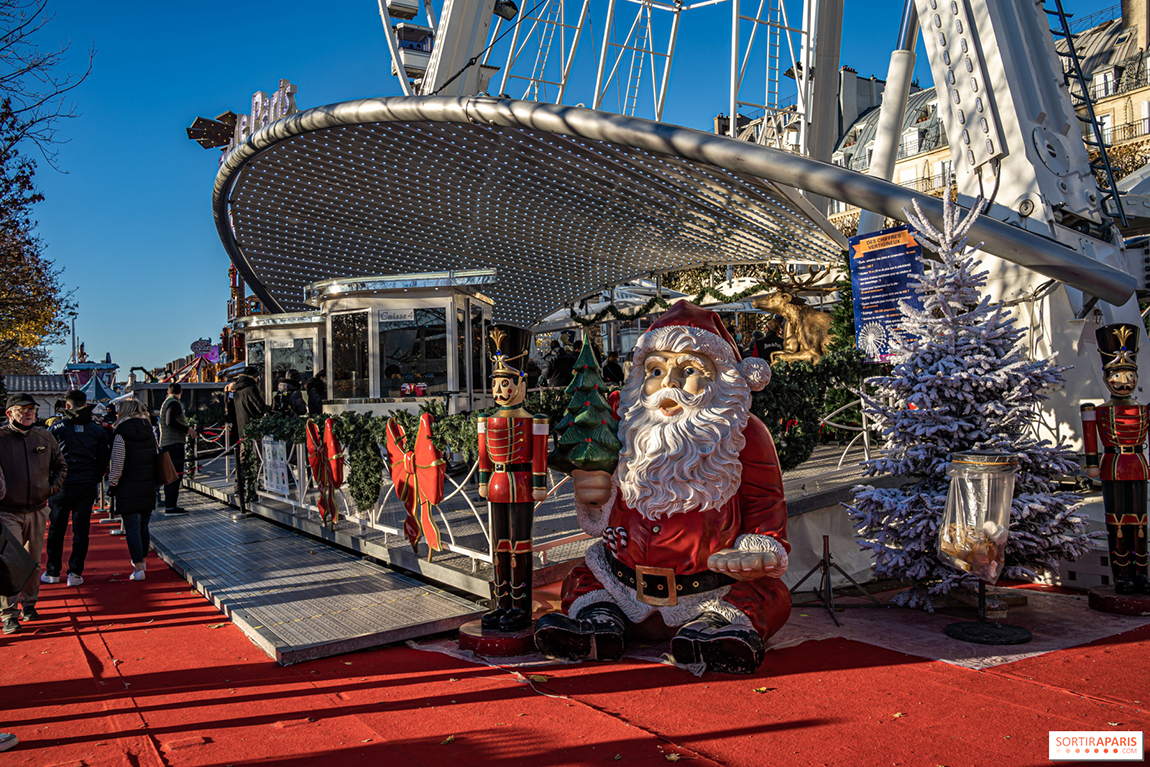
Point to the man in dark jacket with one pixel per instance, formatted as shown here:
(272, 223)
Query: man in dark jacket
(247, 401)
(34, 471)
(612, 370)
(288, 397)
(316, 390)
(559, 372)
(246, 404)
(174, 432)
(86, 449)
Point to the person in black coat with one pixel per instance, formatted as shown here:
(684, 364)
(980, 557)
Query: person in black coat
(247, 401)
(560, 371)
(288, 397)
(246, 405)
(612, 370)
(132, 478)
(316, 390)
(86, 449)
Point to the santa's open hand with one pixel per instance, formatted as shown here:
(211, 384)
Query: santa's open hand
(742, 565)
(592, 488)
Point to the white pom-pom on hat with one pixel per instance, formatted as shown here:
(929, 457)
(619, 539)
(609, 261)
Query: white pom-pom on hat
(757, 372)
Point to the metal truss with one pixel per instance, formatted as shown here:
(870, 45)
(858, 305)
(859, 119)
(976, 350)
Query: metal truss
(634, 43)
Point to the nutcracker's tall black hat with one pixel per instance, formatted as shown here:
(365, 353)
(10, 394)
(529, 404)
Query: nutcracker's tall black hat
(1118, 345)
(501, 368)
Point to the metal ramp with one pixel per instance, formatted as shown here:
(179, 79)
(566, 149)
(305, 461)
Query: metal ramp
(296, 598)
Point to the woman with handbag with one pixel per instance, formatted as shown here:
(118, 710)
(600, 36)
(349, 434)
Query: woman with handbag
(132, 478)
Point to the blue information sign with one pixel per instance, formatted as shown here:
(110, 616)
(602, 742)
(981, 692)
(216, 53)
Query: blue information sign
(881, 266)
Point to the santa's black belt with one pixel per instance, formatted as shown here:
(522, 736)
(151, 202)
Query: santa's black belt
(507, 468)
(1122, 449)
(660, 586)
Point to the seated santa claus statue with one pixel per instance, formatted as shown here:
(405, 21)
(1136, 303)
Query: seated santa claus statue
(693, 523)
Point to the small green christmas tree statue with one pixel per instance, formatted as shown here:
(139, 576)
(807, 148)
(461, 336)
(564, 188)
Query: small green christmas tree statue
(588, 434)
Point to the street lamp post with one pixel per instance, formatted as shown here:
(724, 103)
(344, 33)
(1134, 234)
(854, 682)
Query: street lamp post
(72, 314)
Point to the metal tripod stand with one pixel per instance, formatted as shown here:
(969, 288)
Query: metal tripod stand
(824, 594)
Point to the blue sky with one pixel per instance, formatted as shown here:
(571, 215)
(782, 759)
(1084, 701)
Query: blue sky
(130, 217)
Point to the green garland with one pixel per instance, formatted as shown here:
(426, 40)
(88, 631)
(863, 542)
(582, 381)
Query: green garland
(658, 302)
(363, 433)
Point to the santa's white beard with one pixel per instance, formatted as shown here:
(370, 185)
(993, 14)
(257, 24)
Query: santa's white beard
(687, 462)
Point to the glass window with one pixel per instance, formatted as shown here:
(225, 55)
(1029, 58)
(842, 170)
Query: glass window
(255, 356)
(291, 354)
(461, 344)
(349, 356)
(413, 350)
(480, 372)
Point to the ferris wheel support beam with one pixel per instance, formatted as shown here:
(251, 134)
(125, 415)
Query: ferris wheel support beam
(892, 113)
(733, 127)
(597, 98)
(661, 101)
(571, 55)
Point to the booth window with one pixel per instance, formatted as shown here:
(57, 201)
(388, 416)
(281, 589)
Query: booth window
(292, 354)
(349, 356)
(413, 352)
(480, 365)
(461, 346)
(255, 356)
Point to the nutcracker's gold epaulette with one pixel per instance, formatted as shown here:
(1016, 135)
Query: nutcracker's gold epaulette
(1087, 407)
(540, 419)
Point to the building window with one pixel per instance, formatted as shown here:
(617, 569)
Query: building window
(413, 350)
(291, 354)
(1106, 125)
(349, 356)
(1104, 84)
(910, 143)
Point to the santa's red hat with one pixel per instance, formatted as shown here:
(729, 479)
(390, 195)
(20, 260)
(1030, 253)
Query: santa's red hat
(694, 328)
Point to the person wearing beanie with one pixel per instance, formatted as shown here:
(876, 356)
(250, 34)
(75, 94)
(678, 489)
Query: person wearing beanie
(34, 470)
(288, 398)
(692, 523)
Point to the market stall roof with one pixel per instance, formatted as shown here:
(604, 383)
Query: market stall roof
(98, 391)
(562, 201)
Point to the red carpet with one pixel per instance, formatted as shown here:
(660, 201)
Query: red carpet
(143, 674)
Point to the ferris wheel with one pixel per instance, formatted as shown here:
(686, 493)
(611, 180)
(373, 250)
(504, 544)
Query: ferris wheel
(615, 55)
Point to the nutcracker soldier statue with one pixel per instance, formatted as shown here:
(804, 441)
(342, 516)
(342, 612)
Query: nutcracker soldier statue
(512, 477)
(1121, 424)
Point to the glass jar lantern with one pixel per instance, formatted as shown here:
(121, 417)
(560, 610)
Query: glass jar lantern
(976, 524)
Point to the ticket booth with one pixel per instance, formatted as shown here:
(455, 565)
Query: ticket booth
(276, 343)
(395, 341)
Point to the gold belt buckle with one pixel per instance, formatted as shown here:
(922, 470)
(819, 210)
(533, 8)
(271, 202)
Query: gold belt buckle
(501, 468)
(658, 598)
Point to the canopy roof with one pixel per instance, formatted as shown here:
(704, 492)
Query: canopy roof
(561, 201)
(98, 391)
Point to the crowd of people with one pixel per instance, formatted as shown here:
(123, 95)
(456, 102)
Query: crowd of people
(50, 477)
(560, 357)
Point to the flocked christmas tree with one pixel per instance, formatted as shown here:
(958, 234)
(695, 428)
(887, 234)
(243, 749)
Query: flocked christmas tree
(588, 434)
(962, 381)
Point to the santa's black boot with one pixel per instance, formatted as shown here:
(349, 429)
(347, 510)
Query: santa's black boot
(725, 647)
(597, 634)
